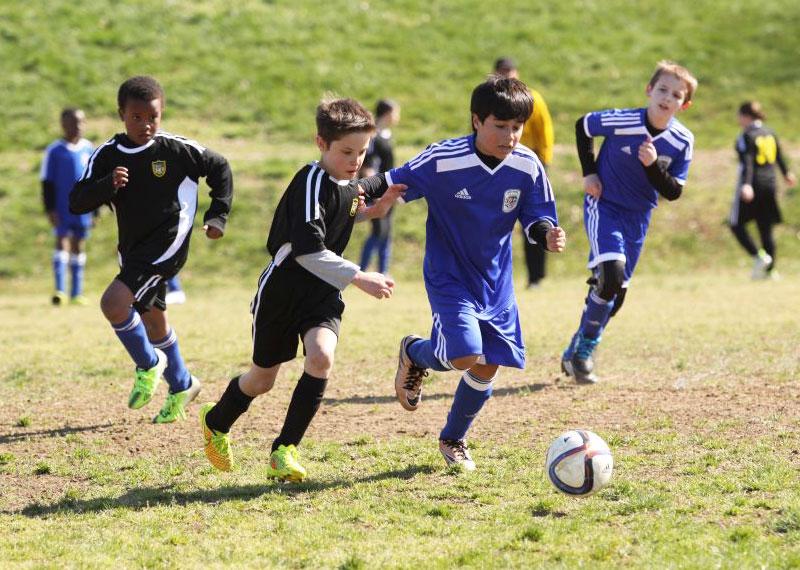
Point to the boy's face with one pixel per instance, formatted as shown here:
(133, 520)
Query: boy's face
(142, 119)
(497, 137)
(73, 125)
(667, 97)
(342, 158)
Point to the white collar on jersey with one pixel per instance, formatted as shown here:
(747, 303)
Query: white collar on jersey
(128, 150)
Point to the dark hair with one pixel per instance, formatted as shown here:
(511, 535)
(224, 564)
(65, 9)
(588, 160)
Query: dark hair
(141, 88)
(503, 97)
(384, 107)
(337, 118)
(752, 109)
(69, 112)
(504, 64)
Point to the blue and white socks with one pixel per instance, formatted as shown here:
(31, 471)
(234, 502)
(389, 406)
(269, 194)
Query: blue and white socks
(133, 335)
(595, 315)
(176, 373)
(472, 393)
(60, 259)
(421, 353)
(77, 261)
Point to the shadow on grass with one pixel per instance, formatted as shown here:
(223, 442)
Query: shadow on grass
(147, 497)
(55, 432)
(435, 396)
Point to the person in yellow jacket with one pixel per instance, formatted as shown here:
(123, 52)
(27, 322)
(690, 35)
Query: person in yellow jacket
(537, 135)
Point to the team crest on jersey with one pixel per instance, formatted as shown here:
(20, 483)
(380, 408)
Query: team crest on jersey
(510, 200)
(159, 168)
(354, 207)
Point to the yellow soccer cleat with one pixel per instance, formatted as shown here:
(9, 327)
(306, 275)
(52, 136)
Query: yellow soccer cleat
(284, 464)
(218, 445)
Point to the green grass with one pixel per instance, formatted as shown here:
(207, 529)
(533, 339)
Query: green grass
(696, 405)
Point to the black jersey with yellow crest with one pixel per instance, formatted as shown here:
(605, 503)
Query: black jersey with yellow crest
(155, 210)
(316, 212)
(759, 152)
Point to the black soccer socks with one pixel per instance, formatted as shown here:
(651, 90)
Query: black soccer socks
(231, 405)
(305, 402)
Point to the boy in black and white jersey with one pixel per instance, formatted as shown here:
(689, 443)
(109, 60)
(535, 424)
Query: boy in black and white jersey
(150, 179)
(299, 293)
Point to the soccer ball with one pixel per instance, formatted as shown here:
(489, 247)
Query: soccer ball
(579, 463)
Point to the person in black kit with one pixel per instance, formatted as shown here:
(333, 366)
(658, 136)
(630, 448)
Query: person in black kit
(299, 292)
(380, 158)
(150, 179)
(755, 197)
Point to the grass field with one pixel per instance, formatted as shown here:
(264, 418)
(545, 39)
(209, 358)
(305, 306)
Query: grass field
(699, 402)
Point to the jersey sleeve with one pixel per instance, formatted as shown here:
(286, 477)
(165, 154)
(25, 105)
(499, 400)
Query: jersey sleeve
(306, 212)
(95, 187)
(46, 173)
(214, 167)
(417, 174)
(679, 167)
(538, 202)
(601, 123)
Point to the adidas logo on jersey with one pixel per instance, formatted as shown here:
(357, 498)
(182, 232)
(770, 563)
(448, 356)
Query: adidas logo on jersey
(626, 149)
(463, 194)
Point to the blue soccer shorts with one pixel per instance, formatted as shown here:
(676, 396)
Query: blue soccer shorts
(71, 227)
(614, 233)
(498, 340)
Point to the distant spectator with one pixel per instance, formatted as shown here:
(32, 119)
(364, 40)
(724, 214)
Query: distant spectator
(64, 162)
(175, 293)
(537, 135)
(380, 158)
(755, 198)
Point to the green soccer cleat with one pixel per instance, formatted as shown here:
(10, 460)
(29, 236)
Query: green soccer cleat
(174, 407)
(146, 382)
(217, 444)
(79, 301)
(284, 465)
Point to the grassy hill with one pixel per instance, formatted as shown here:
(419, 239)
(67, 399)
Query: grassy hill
(245, 78)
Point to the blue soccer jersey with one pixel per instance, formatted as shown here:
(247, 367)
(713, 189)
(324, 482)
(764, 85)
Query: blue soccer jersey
(62, 166)
(472, 210)
(621, 173)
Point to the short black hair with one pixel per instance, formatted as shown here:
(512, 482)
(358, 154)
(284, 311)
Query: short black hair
(503, 64)
(69, 112)
(503, 97)
(141, 88)
(383, 107)
(337, 118)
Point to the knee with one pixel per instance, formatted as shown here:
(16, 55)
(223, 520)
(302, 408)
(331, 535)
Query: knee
(464, 362)
(319, 362)
(610, 278)
(114, 310)
(258, 381)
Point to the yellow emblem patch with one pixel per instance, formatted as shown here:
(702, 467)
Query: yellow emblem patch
(354, 207)
(159, 168)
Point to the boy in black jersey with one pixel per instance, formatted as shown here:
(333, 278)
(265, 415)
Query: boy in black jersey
(756, 190)
(299, 293)
(150, 179)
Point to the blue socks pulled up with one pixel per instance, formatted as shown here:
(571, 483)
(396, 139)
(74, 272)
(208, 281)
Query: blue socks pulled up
(176, 373)
(132, 334)
(472, 393)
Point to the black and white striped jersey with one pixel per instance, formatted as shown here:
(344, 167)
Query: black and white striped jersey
(155, 210)
(315, 213)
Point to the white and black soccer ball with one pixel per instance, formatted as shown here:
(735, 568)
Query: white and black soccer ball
(579, 463)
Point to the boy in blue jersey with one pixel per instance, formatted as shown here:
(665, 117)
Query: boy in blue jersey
(476, 188)
(63, 164)
(646, 152)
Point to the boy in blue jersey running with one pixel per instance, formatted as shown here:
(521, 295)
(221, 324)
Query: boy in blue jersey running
(476, 188)
(646, 152)
(62, 166)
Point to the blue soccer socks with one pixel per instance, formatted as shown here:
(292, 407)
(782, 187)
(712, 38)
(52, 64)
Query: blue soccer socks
(421, 354)
(176, 373)
(132, 334)
(60, 259)
(595, 316)
(472, 393)
(77, 261)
